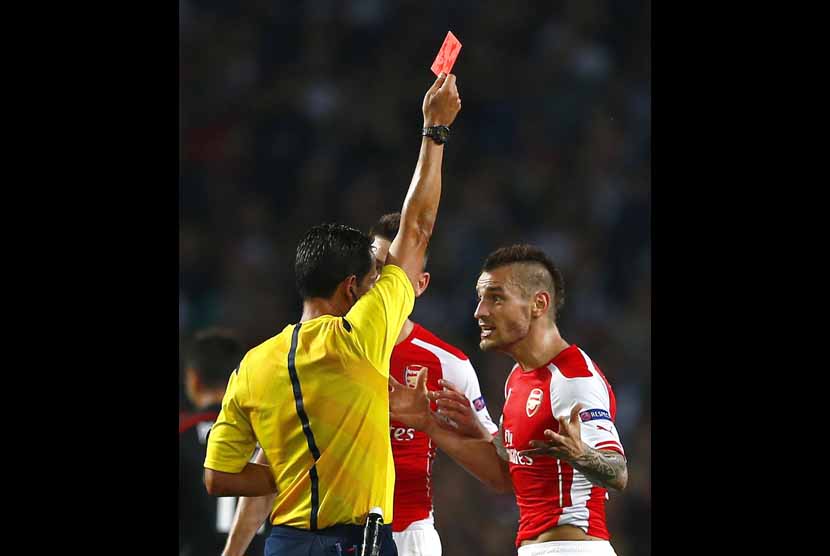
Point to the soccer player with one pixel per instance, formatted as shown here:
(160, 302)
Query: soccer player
(204, 521)
(415, 349)
(557, 447)
(316, 395)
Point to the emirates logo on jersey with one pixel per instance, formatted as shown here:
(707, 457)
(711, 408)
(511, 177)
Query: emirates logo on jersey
(410, 374)
(534, 400)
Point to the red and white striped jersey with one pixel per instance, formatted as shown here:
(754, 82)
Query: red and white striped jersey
(413, 450)
(550, 492)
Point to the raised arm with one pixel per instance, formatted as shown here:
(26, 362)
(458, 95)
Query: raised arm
(420, 207)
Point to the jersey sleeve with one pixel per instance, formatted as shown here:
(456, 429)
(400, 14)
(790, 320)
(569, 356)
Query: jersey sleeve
(374, 322)
(462, 374)
(596, 427)
(231, 441)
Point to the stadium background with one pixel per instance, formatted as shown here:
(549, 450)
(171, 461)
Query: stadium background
(294, 113)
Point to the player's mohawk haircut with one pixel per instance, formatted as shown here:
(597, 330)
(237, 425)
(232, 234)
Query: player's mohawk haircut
(549, 275)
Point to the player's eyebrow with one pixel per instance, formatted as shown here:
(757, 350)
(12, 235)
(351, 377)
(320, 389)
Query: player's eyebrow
(491, 289)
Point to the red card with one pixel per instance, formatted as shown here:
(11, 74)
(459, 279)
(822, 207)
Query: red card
(447, 55)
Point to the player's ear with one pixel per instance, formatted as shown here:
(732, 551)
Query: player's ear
(192, 382)
(423, 282)
(541, 304)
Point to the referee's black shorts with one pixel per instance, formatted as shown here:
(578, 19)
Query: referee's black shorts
(340, 540)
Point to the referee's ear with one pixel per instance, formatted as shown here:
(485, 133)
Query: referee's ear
(348, 292)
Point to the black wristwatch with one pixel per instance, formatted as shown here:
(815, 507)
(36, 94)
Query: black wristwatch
(438, 133)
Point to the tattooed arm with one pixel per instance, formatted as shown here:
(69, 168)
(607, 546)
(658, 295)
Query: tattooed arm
(605, 468)
(499, 444)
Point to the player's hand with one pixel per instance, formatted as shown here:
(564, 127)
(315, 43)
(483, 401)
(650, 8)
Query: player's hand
(456, 407)
(442, 102)
(566, 445)
(410, 406)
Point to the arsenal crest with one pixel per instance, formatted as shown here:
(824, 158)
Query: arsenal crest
(534, 400)
(410, 374)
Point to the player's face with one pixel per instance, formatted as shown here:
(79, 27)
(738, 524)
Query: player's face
(364, 285)
(380, 247)
(503, 312)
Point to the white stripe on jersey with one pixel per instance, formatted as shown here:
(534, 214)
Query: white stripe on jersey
(591, 390)
(592, 393)
(577, 513)
(594, 372)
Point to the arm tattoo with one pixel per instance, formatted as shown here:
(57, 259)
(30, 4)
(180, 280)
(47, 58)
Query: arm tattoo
(603, 467)
(499, 444)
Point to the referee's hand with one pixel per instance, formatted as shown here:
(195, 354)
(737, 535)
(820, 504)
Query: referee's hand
(441, 102)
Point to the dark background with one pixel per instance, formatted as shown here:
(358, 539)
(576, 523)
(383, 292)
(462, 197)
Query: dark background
(296, 113)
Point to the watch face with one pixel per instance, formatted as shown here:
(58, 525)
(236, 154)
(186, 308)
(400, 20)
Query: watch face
(438, 133)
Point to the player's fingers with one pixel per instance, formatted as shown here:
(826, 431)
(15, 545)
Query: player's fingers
(394, 384)
(554, 437)
(568, 426)
(451, 404)
(450, 386)
(449, 395)
(575, 412)
(444, 420)
(452, 413)
(421, 383)
(535, 452)
(454, 410)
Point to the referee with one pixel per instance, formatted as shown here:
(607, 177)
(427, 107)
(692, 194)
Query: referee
(315, 396)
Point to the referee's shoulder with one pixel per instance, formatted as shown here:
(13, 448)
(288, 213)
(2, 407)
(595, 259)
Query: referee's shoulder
(264, 352)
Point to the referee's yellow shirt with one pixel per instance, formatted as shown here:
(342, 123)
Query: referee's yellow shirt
(316, 398)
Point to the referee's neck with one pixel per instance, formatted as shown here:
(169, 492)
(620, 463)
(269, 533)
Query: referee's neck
(314, 307)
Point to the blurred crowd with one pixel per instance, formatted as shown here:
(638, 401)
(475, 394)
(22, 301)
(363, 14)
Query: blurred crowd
(295, 113)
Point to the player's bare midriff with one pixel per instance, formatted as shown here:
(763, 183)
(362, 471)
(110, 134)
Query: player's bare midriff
(562, 533)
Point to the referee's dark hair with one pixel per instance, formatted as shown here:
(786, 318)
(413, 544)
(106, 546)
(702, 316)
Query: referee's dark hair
(214, 353)
(327, 255)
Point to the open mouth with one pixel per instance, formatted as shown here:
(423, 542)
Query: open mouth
(486, 330)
